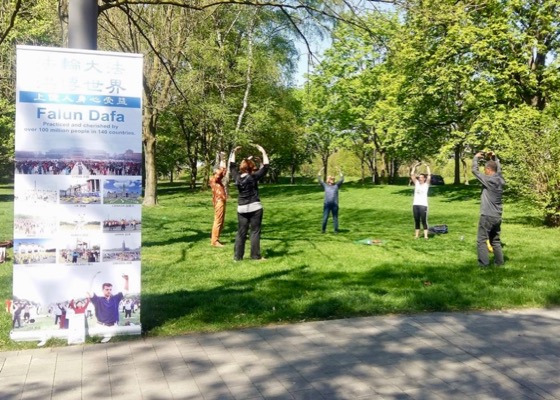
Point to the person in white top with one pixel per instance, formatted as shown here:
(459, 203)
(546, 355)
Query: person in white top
(420, 203)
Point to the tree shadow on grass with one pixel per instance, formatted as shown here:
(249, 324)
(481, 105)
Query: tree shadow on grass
(528, 220)
(212, 305)
(185, 236)
(168, 188)
(299, 293)
(284, 191)
(6, 198)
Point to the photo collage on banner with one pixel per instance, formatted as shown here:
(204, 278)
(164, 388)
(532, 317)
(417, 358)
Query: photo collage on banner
(77, 194)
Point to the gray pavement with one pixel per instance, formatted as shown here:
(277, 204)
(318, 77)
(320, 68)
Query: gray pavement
(482, 355)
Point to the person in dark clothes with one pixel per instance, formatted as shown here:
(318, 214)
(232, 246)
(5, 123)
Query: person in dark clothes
(249, 208)
(489, 224)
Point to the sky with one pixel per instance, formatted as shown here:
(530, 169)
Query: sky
(304, 65)
(318, 46)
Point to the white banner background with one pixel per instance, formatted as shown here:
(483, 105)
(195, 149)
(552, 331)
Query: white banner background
(77, 191)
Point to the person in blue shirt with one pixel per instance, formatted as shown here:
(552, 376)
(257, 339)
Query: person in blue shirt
(330, 204)
(107, 305)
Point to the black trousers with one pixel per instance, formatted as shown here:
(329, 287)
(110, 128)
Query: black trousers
(420, 215)
(489, 229)
(252, 220)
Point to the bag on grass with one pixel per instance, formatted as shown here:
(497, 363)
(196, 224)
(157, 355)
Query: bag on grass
(438, 229)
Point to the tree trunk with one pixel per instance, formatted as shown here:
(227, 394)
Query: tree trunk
(194, 174)
(325, 160)
(457, 166)
(552, 217)
(362, 154)
(149, 142)
(375, 175)
(465, 172)
(248, 74)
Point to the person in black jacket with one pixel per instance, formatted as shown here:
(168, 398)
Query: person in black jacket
(489, 225)
(249, 208)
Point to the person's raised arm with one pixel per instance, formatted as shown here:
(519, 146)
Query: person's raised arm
(341, 178)
(429, 178)
(232, 154)
(413, 173)
(475, 169)
(320, 175)
(232, 167)
(222, 163)
(125, 287)
(492, 156)
(265, 159)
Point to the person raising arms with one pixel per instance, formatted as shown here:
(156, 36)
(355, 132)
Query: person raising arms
(249, 209)
(420, 202)
(491, 208)
(330, 203)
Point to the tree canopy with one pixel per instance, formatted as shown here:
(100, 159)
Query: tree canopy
(417, 79)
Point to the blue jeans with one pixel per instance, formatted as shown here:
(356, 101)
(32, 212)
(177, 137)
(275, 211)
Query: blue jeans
(329, 208)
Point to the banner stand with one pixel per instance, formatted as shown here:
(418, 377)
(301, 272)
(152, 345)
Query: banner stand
(77, 194)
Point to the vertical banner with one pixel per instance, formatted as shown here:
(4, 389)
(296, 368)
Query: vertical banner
(77, 194)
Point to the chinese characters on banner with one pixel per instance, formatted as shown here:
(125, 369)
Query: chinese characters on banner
(77, 194)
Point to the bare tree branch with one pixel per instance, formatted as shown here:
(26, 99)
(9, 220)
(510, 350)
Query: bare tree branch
(139, 29)
(12, 21)
(284, 5)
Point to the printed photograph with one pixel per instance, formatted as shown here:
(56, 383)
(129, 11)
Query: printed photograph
(80, 219)
(117, 191)
(35, 222)
(108, 297)
(81, 191)
(119, 156)
(34, 251)
(79, 250)
(30, 191)
(119, 219)
(121, 247)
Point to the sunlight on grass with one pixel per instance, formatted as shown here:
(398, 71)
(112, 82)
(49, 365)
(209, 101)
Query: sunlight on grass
(189, 286)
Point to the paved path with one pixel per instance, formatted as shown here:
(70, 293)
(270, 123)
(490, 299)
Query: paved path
(491, 355)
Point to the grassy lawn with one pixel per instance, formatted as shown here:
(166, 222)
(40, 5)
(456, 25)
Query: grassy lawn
(189, 286)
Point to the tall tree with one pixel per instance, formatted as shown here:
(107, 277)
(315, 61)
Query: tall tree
(159, 33)
(21, 23)
(351, 78)
(158, 87)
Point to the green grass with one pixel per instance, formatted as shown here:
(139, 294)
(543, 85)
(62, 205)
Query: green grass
(188, 286)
